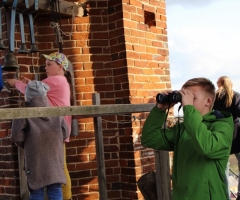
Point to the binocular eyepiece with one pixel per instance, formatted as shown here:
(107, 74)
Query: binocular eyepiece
(173, 97)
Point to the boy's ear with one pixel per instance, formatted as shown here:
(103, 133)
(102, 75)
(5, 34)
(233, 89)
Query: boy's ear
(209, 102)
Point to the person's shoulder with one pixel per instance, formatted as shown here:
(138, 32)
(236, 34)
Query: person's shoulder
(236, 96)
(61, 78)
(55, 80)
(236, 93)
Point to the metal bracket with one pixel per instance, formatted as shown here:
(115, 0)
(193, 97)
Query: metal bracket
(31, 26)
(14, 5)
(2, 46)
(26, 3)
(0, 23)
(21, 27)
(12, 26)
(26, 8)
(36, 4)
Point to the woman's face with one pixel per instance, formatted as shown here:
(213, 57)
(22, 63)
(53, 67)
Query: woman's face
(219, 83)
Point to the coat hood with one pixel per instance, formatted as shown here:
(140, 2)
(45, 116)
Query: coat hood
(216, 115)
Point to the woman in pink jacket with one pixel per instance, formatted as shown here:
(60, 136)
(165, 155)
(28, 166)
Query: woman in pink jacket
(60, 94)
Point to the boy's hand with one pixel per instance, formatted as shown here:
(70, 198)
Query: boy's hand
(164, 106)
(187, 97)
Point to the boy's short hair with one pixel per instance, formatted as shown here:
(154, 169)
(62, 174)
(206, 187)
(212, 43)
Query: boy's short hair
(35, 88)
(204, 83)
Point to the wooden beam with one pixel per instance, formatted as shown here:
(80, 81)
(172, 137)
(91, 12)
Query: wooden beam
(163, 180)
(24, 192)
(101, 171)
(75, 111)
(66, 8)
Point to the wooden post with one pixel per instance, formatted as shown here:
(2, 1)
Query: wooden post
(162, 175)
(24, 193)
(102, 184)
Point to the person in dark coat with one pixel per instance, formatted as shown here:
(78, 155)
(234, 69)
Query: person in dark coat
(228, 100)
(42, 140)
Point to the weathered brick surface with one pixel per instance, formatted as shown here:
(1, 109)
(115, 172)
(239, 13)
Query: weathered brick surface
(119, 51)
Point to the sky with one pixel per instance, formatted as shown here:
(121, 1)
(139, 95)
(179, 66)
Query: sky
(203, 40)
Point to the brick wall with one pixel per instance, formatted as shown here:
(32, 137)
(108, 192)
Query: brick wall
(148, 70)
(120, 51)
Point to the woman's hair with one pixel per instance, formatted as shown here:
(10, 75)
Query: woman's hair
(225, 87)
(69, 78)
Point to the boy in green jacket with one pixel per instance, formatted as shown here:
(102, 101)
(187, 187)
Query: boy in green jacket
(201, 144)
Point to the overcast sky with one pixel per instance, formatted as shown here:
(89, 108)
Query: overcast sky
(204, 40)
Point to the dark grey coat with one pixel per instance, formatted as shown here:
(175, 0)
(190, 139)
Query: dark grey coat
(42, 140)
(234, 109)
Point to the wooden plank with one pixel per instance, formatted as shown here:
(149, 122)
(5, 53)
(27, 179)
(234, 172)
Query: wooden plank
(24, 193)
(76, 111)
(100, 152)
(162, 175)
(43, 5)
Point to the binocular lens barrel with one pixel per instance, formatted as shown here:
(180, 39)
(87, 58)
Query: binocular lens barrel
(173, 97)
(162, 98)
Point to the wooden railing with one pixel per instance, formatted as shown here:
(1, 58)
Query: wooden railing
(96, 111)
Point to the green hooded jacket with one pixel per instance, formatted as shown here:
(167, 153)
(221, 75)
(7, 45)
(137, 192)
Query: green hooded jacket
(201, 146)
